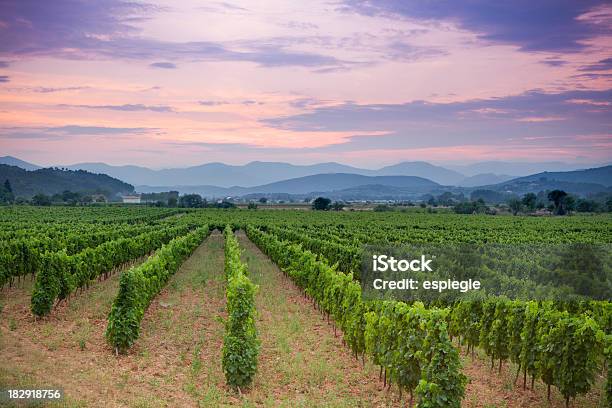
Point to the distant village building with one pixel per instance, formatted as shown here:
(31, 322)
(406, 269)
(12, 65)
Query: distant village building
(131, 199)
(98, 198)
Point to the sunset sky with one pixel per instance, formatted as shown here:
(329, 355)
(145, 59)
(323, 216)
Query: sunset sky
(178, 83)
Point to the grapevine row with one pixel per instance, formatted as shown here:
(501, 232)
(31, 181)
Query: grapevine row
(240, 343)
(61, 274)
(410, 343)
(139, 285)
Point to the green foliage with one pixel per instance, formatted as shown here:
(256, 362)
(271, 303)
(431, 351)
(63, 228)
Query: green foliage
(442, 384)
(49, 181)
(557, 197)
(60, 274)
(515, 205)
(6, 193)
(41, 200)
(529, 201)
(240, 344)
(139, 285)
(529, 343)
(392, 333)
(470, 207)
(191, 201)
(321, 203)
(577, 343)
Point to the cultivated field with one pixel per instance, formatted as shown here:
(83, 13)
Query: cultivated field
(147, 307)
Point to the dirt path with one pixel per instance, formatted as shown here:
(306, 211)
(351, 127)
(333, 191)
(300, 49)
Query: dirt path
(301, 362)
(489, 388)
(175, 362)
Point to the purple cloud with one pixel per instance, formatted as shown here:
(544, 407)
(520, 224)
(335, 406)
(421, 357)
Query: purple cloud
(163, 65)
(545, 25)
(44, 89)
(212, 103)
(422, 123)
(603, 65)
(104, 29)
(126, 107)
(66, 132)
(4, 78)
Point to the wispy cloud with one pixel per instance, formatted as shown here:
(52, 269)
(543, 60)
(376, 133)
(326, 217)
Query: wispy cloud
(4, 78)
(602, 65)
(245, 102)
(222, 7)
(125, 107)
(427, 124)
(105, 29)
(163, 65)
(546, 25)
(46, 89)
(67, 132)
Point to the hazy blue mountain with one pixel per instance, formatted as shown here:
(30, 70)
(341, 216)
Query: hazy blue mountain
(581, 182)
(484, 179)
(516, 169)
(308, 184)
(597, 175)
(258, 173)
(217, 174)
(13, 161)
(50, 181)
(215, 177)
(341, 181)
(373, 192)
(423, 169)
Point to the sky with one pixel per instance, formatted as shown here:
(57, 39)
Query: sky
(369, 83)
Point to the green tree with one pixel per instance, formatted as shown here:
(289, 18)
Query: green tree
(585, 205)
(190, 201)
(41, 199)
(569, 203)
(337, 206)
(6, 193)
(515, 205)
(529, 201)
(252, 206)
(321, 203)
(557, 196)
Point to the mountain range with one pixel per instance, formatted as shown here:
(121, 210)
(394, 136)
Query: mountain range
(406, 180)
(259, 173)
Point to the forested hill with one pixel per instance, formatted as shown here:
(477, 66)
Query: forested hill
(52, 180)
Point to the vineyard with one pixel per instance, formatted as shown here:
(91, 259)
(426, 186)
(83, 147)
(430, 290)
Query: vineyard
(142, 306)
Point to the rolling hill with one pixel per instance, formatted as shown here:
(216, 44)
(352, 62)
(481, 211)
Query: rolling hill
(580, 182)
(423, 169)
(341, 181)
(321, 183)
(13, 161)
(598, 175)
(50, 181)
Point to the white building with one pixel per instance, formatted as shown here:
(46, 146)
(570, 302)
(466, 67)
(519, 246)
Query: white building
(131, 199)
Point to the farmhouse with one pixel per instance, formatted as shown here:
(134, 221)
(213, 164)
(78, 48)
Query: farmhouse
(131, 199)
